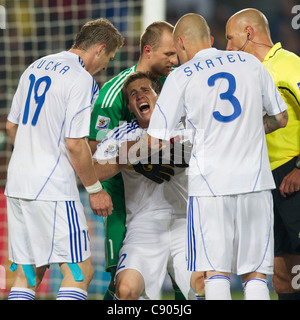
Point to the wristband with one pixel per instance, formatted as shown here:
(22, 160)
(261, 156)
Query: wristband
(94, 188)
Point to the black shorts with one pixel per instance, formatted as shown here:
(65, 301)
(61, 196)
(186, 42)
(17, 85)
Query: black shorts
(286, 214)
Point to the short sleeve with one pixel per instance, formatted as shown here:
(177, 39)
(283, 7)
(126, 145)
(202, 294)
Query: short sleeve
(79, 106)
(168, 110)
(273, 102)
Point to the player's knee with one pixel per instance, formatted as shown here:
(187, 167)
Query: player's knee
(125, 291)
(197, 282)
(88, 271)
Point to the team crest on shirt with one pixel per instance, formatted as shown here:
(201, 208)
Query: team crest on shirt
(102, 123)
(111, 149)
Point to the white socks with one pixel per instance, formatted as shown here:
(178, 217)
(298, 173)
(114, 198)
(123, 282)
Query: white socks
(63, 294)
(71, 293)
(256, 289)
(217, 288)
(21, 294)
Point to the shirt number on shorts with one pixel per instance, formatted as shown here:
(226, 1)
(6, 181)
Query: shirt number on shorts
(121, 260)
(228, 95)
(39, 98)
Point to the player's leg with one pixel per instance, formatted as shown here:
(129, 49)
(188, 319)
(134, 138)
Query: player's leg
(176, 266)
(26, 277)
(71, 249)
(197, 283)
(76, 280)
(22, 288)
(286, 235)
(145, 250)
(129, 285)
(284, 282)
(217, 285)
(255, 286)
(114, 229)
(210, 242)
(254, 259)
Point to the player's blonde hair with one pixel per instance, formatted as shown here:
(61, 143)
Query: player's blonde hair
(100, 31)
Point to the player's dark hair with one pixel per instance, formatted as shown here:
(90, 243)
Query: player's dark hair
(100, 31)
(155, 83)
(152, 34)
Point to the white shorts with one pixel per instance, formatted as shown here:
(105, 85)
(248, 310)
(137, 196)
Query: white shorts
(232, 234)
(154, 247)
(45, 232)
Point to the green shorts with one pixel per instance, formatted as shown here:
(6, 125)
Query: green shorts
(114, 225)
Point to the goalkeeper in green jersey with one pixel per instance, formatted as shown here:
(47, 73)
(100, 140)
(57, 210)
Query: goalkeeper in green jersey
(157, 58)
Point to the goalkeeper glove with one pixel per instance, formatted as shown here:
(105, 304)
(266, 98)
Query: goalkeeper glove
(158, 173)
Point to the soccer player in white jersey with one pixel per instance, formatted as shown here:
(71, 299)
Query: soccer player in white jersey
(48, 122)
(224, 96)
(156, 213)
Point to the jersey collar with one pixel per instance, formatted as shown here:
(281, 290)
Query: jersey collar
(206, 52)
(272, 52)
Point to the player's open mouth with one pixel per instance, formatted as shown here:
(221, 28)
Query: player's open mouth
(144, 107)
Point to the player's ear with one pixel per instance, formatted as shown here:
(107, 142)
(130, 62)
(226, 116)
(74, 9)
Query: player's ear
(180, 43)
(100, 48)
(212, 40)
(147, 51)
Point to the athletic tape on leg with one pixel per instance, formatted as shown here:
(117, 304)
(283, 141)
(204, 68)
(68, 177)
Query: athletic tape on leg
(30, 274)
(76, 272)
(28, 271)
(13, 267)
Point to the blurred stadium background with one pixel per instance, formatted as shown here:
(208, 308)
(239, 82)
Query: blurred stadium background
(35, 28)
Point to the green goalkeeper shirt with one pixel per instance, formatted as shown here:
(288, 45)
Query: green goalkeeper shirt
(109, 110)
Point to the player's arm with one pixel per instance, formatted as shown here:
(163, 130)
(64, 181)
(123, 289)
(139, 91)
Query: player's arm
(81, 160)
(11, 129)
(272, 123)
(93, 144)
(106, 115)
(108, 169)
(276, 109)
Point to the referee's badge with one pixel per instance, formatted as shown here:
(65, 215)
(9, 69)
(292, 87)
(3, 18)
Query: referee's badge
(298, 85)
(102, 123)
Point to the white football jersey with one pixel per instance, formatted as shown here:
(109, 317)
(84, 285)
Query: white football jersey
(53, 102)
(223, 95)
(141, 194)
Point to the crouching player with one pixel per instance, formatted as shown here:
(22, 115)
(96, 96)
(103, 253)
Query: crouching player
(156, 204)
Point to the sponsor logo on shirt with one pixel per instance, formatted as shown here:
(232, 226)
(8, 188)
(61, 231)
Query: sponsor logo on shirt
(102, 123)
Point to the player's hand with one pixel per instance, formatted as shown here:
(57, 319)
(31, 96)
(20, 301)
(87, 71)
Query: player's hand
(181, 153)
(158, 173)
(101, 203)
(290, 183)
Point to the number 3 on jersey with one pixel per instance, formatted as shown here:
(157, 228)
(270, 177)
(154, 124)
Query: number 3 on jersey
(228, 95)
(39, 99)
